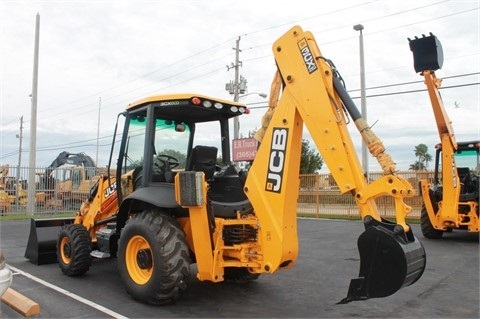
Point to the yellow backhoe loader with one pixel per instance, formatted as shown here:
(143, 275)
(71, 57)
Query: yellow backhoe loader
(159, 214)
(450, 201)
(13, 192)
(68, 180)
(5, 201)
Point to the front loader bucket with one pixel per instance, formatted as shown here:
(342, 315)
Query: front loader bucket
(389, 260)
(42, 240)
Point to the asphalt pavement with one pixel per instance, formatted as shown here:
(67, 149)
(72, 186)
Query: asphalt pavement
(449, 287)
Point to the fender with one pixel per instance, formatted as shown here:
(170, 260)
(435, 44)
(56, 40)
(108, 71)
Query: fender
(158, 194)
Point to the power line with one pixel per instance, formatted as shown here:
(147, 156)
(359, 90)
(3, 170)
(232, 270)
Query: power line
(414, 82)
(385, 94)
(102, 92)
(62, 146)
(419, 90)
(99, 93)
(81, 143)
(216, 46)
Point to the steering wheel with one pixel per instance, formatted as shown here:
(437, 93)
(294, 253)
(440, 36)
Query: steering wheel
(167, 162)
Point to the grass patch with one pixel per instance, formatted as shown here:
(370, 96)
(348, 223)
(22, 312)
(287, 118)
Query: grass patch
(35, 216)
(349, 217)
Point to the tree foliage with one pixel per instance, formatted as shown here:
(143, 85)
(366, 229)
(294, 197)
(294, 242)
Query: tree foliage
(310, 160)
(181, 157)
(423, 157)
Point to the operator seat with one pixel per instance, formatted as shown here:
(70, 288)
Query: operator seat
(469, 184)
(203, 159)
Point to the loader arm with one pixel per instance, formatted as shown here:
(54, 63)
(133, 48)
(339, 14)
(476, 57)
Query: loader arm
(314, 96)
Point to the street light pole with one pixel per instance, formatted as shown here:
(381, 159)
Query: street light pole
(363, 99)
(262, 95)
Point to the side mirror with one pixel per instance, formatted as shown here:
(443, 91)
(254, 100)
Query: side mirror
(179, 127)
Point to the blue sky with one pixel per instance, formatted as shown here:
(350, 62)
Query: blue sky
(98, 56)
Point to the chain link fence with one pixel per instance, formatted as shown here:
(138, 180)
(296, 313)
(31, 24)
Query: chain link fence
(68, 187)
(61, 191)
(320, 197)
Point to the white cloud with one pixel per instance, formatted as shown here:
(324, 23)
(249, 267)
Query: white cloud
(123, 50)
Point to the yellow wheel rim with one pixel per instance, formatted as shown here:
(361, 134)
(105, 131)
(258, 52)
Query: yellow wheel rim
(138, 259)
(65, 251)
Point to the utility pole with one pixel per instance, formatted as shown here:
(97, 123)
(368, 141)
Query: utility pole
(19, 160)
(33, 125)
(238, 87)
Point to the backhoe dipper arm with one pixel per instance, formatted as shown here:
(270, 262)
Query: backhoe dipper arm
(444, 124)
(313, 95)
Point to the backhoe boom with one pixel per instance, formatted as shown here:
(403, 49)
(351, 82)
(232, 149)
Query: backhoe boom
(313, 95)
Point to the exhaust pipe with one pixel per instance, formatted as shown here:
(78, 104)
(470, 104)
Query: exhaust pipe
(42, 240)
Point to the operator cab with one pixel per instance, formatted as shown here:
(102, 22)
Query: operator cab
(467, 162)
(166, 134)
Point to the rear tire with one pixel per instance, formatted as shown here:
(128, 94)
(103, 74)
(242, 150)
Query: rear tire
(153, 258)
(73, 250)
(426, 225)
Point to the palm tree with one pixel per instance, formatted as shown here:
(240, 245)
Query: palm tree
(421, 152)
(428, 158)
(417, 166)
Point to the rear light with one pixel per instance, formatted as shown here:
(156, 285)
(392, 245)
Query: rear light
(219, 106)
(196, 101)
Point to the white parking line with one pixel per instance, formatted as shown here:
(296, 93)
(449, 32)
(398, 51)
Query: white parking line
(69, 294)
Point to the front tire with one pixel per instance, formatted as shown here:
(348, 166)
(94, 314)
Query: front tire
(426, 225)
(73, 250)
(153, 258)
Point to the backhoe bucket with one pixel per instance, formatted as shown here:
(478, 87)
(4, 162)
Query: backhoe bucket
(389, 260)
(42, 240)
(427, 53)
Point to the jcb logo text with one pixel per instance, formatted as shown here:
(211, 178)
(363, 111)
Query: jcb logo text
(277, 160)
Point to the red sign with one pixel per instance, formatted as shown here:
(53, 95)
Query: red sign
(244, 149)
